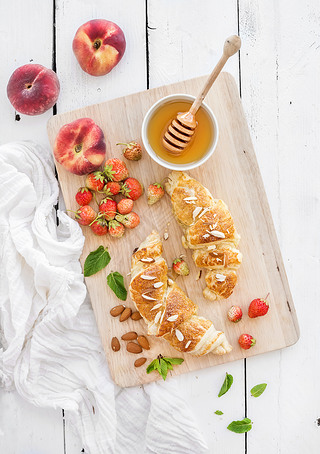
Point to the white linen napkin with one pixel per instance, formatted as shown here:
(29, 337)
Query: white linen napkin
(50, 350)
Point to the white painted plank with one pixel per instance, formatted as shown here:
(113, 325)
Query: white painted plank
(281, 46)
(26, 429)
(185, 40)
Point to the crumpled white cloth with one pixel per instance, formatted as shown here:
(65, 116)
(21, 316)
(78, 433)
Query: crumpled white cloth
(51, 352)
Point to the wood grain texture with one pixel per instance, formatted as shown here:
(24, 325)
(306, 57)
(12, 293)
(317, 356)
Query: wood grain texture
(233, 175)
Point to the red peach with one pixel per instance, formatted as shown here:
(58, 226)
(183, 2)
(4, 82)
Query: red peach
(80, 146)
(99, 46)
(33, 89)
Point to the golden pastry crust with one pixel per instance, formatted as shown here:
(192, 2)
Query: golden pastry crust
(220, 284)
(219, 256)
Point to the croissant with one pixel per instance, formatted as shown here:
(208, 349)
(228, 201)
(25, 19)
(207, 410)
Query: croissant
(209, 230)
(166, 309)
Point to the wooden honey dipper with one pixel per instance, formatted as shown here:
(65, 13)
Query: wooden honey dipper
(182, 128)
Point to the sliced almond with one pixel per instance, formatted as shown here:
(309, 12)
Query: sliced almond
(173, 318)
(190, 198)
(206, 235)
(117, 310)
(157, 317)
(143, 342)
(136, 315)
(147, 260)
(187, 345)
(158, 284)
(147, 278)
(131, 335)
(170, 281)
(179, 335)
(125, 314)
(133, 347)
(115, 344)
(165, 236)
(204, 212)
(221, 277)
(139, 362)
(147, 297)
(196, 211)
(217, 234)
(199, 275)
(156, 306)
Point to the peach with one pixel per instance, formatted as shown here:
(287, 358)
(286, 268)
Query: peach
(99, 46)
(33, 89)
(80, 146)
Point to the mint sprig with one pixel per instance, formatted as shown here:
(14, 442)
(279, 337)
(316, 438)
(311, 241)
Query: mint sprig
(116, 283)
(226, 385)
(257, 390)
(240, 427)
(162, 364)
(218, 412)
(96, 261)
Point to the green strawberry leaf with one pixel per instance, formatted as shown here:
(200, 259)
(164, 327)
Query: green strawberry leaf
(218, 412)
(96, 261)
(257, 390)
(226, 385)
(240, 427)
(116, 283)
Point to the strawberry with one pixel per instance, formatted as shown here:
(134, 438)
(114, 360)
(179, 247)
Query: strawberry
(112, 188)
(246, 341)
(99, 227)
(132, 188)
(258, 307)
(95, 181)
(83, 196)
(180, 267)
(115, 170)
(130, 220)
(108, 208)
(132, 152)
(125, 206)
(85, 215)
(116, 229)
(235, 314)
(155, 193)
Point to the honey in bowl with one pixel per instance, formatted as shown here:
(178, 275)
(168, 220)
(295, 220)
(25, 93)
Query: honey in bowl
(198, 146)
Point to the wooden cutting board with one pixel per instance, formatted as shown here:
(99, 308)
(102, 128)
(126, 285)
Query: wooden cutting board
(231, 174)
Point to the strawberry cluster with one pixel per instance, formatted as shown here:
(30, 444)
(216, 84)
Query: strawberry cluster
(111, 217)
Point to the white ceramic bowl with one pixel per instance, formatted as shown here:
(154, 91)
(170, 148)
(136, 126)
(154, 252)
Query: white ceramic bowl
(170, 165)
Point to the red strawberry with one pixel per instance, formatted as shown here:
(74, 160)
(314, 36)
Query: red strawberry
(130, 220)
(180, 267)
(109, 208)
(83, 196)
(112, 188)
(85, 215)
(115, 170)
(258, 307)
(132, 188)
(155, 193)
(235, 314)
(99, 227)
(125, 206)
(95, 181)
(132, 152)
(246, 341)
(116, 229)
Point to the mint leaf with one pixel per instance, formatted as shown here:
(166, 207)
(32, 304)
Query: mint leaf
(257, 390)
(226, 385)
(116, 283)
(163, 369)
(240, 427)
(152, 366)
(162, 365)
(96, 261)
(173, 360)
(218, 412)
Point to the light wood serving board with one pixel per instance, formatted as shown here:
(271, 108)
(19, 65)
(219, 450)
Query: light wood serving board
(231, 174)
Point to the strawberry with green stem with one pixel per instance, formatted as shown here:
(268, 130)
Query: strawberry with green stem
(258, 307)
(130, 220)
(95, 181)
(83, 196)
(132, 188)
(246, 341)
(112, 188)
(85, 215)
(115, 170)
(108, 208)
(125, 206)
(180, 267)
(99, 226)
(155, 193)
(235, 314)
(116, 229)
(132, 151)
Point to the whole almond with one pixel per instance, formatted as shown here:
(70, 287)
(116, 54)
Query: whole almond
(117, 310)
(125, 314)
(136, 316)
(143, 341)
(139, 362)
(129, 336)
(115, 344)
(132, 347)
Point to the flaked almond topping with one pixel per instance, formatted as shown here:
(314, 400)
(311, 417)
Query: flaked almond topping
(196, 211)
(190, 198)
(147, 278)
(147, 260)
(149, 298)
(157, 317)
(191, 201)
(162, 317)
(173, 318)
(165, 235)
(187, 344)
(203, 212)
(217, 234)
(156, 306)
(213, 226)
(170, 282)
(199, 275)
(221, 277)
(219, 260)
(179, 335)
(213, 246)
(158, 284)
(206, 235)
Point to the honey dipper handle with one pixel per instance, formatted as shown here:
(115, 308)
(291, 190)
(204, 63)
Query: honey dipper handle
(231, 46)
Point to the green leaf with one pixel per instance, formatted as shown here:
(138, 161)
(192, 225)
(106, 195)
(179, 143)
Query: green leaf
(218, 412)
(163, 369)
(257, 390)
(240, 427)
(152, 366)
(96, 261)
(162, 365)
(173, 360)
(226, 385)
(116, 283)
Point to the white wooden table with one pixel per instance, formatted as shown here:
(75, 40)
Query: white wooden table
(278, 72)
